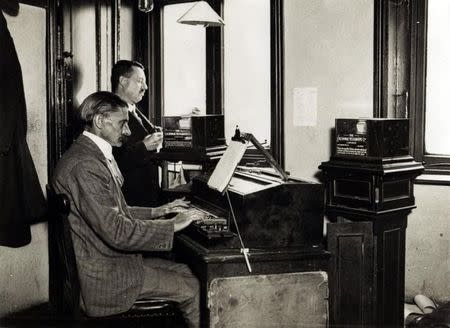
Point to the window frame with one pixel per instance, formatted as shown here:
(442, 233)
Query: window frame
(434, 164)
(149, 52)
(400, 70)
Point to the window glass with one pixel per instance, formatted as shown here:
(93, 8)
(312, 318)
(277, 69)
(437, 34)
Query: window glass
(184, 58)
(247, 67)
(437, 119)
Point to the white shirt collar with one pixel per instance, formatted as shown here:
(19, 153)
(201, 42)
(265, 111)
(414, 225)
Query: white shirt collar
(104, 145)
(132, 108)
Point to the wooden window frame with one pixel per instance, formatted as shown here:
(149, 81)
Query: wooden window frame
(405, 20)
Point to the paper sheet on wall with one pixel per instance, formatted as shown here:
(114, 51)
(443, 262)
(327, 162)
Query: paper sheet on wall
(305, 107)
(226, 166)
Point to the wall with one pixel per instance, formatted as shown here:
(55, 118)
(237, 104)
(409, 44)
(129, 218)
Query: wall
(24, 270)
(428, 244)
(329, 49)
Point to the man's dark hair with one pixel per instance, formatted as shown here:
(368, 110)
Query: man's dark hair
(122, 68)
(100, 102)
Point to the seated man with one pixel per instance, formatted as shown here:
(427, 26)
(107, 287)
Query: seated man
(107, 233)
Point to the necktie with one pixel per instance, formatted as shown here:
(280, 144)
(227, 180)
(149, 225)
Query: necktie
(118, 180)
(115, 171)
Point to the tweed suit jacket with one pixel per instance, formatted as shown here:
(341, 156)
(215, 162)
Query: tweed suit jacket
(138, 165)
(107, 233)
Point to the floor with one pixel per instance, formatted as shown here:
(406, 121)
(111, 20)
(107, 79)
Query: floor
(42, 316)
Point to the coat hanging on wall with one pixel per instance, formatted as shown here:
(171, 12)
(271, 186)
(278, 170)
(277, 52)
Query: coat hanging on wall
(21, 198)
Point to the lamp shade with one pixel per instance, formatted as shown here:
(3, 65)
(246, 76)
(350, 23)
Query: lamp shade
(201, 13)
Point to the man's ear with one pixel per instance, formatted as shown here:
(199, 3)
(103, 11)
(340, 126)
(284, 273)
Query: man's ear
(123, 81)
(98, 121)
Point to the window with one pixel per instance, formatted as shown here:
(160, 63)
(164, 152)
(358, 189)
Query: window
(235, 70)
(247, 67)
(437, 113)
(430, 81)
(184, 77)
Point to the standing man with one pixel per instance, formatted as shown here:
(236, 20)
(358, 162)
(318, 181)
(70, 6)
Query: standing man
(108, 235)
(135, 158)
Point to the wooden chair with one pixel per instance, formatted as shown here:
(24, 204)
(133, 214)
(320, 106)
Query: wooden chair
(65, 285)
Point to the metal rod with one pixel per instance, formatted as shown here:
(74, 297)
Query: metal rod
(244, 250)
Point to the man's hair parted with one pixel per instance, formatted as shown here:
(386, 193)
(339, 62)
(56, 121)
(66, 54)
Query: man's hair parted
(100, 102)
(122, 68)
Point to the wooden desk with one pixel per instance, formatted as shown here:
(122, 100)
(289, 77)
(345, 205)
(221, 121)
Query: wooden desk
(286, 286)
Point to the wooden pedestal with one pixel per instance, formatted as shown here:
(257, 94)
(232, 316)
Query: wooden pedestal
(368, 205)
(367, 276)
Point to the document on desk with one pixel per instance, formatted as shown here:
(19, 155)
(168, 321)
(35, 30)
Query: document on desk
(222, 174)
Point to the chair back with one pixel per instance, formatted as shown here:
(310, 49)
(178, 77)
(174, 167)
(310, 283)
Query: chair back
(64, 281)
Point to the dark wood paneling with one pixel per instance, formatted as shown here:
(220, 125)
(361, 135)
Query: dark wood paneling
(214, 60)
(277, 80)
(391, 58)
(115, 28)
(391, 261)
(351, 277)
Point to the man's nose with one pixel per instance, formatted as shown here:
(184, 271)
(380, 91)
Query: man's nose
(145, 86)
(126, 130)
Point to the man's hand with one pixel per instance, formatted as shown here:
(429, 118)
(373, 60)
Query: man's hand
(153, 141)
(177, 206)
(182, 220)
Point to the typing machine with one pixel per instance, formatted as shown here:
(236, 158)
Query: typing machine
(268, 208)
(271, 209)
(214, 227)
(269, 212)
